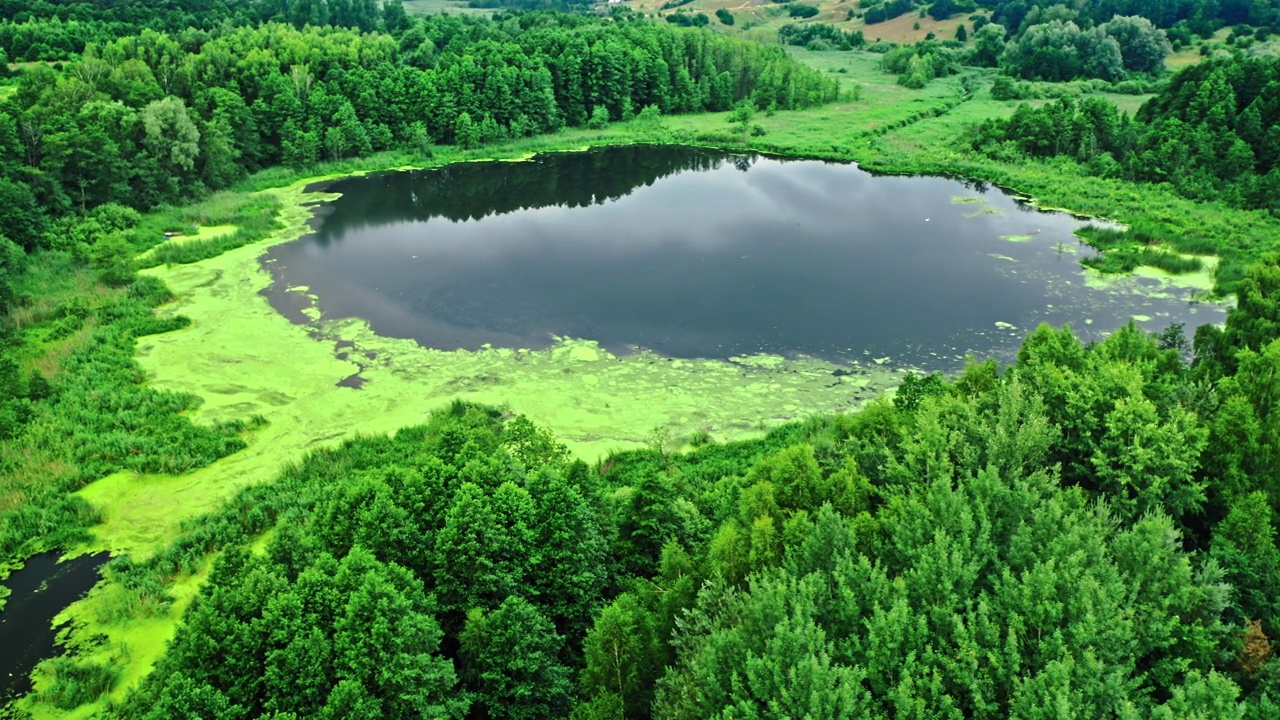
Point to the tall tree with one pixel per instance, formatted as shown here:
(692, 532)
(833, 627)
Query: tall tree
(511, 660)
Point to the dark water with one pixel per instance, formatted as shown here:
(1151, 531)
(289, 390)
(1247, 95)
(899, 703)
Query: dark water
(695, 253)
(40, 590)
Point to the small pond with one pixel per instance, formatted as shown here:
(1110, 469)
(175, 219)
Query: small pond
(694, 253)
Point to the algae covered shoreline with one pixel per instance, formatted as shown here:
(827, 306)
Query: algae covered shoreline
(244, 358)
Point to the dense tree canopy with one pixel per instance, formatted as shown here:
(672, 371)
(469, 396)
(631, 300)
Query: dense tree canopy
(1212, 133)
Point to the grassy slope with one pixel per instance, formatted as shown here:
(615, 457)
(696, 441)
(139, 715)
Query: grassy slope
(244, 358)
(431, 7)
(760, 19)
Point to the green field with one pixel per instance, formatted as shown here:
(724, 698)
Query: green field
(432, 7)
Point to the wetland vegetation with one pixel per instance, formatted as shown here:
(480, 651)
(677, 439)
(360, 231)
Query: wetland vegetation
(311, 515)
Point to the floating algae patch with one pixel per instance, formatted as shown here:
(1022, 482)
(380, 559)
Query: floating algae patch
(40, 589)
(1200, 281)
(99, 634)
(1018, 238)
(1157, 282)
(979, 205)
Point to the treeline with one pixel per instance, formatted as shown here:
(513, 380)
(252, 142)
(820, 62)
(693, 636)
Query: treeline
(59, 30)
(1090, 532)
(820, 36)
(144, 120)
(1182, 17)
(1124, 49)
(471, 191)
(1202, 17)
(1213, 134)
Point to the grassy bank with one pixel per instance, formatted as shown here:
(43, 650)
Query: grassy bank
(235, 358)
(896, 130)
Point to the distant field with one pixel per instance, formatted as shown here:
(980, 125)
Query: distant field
(902, 29)
(434, 7)
(760, 19)
(1127, 103)
(876, 117)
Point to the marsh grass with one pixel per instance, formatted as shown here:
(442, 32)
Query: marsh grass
(96, 415)
(1126, 250)
(252, 216)
(1129, 258)
(78, 682)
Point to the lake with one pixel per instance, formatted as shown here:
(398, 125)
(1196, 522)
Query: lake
(695, 253)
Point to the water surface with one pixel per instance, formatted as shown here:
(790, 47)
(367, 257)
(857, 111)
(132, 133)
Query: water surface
(695, 253)
(40, 590)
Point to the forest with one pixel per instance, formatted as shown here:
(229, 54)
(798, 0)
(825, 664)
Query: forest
(1088, 531)
(141, 120)
(1212, 133)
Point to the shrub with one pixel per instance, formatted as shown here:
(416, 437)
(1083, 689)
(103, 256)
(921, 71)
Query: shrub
(599, 117)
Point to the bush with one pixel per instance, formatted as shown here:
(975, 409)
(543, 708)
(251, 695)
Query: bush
(724, 16)
(818, 35)
(801, 10)
(599, 118)
(112, 258)
(686, 20)
(650, 115)
(1006, 88)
